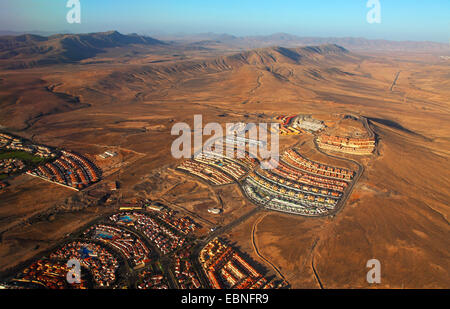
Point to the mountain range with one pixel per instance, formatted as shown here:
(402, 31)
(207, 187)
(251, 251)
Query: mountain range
(30, 50)
(289, 40)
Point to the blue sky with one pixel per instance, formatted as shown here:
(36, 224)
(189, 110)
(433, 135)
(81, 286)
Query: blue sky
(401, 19)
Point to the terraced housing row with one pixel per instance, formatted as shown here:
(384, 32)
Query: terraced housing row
(162, 237)
(298, 185)
(100, 262)
(70, 170)
(285, 126)
(11, 143)
(226, 269)
(357, 146)
(129, 245)
(296, 125)
(218, 169)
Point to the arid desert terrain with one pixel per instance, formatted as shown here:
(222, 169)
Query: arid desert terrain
(120, 93)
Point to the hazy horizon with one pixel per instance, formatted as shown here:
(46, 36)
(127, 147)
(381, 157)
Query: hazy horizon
(400, 20)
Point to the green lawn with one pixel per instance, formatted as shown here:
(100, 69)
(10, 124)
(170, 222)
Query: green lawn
(21, 155)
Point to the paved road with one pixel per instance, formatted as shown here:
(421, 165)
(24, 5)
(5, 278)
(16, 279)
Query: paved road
(221, 230)
(224, 229)
(360, 172)
(395, 81)
(162, 200)
(355, 180)
(200, 243)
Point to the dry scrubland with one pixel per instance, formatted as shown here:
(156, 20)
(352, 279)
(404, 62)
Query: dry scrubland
(398, 212)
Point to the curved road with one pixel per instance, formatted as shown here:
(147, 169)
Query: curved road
(255, 247)
(342, 203)
(358, 175)
(221, 230)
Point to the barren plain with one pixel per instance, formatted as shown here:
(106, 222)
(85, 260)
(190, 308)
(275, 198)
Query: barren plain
(397, 213)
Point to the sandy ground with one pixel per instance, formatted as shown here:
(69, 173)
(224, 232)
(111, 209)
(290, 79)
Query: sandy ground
(397, 214)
